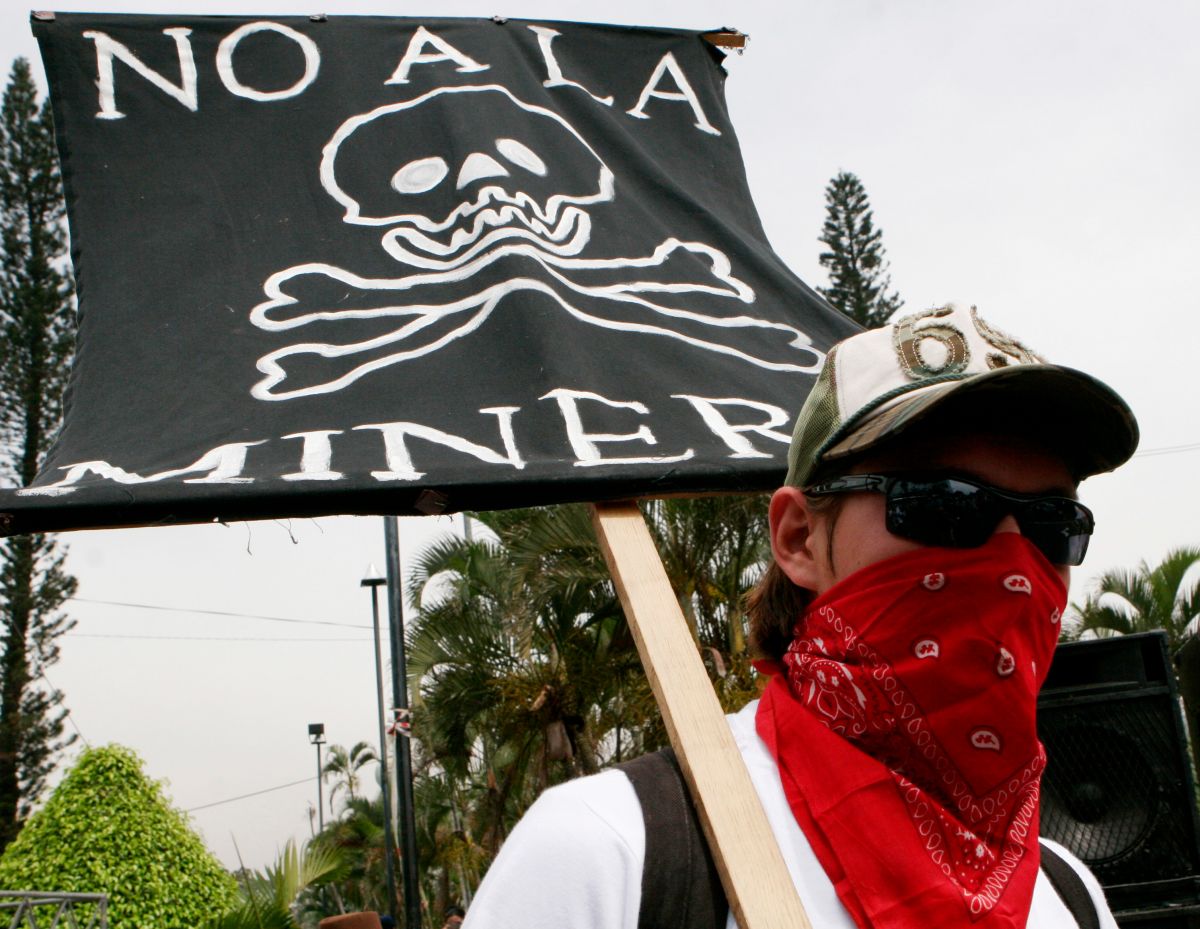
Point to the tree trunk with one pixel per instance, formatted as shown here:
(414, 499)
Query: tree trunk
(14, 677)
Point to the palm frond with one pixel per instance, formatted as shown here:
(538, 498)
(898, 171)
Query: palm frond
(1165, 596)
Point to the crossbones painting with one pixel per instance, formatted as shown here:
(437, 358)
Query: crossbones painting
(486, 200)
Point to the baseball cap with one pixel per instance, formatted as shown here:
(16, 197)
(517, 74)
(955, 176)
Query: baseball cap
(947, 368)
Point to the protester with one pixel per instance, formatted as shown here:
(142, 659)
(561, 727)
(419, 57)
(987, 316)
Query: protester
(922, 546)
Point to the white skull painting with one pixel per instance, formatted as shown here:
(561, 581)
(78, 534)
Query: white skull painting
(481, 198)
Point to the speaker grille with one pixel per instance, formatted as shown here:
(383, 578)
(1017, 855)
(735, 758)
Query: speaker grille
(1118, 788)
(1112, 785)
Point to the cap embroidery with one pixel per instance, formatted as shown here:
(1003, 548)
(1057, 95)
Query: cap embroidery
(907, 339)
(1013, 351)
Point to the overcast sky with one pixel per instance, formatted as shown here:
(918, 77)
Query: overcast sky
(1037, 160)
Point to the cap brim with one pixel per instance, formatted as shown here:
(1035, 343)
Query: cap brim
(1072, 414)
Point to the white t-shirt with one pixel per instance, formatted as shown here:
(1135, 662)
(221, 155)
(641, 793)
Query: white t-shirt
(574, 861)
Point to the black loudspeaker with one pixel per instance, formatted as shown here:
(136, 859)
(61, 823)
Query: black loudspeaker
(1118, 789)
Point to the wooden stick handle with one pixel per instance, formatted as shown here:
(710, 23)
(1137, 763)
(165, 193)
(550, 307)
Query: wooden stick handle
(756, 880)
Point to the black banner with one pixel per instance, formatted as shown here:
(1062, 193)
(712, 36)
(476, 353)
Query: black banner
(366, 264)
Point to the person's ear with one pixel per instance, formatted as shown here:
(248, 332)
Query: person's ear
(793, 539)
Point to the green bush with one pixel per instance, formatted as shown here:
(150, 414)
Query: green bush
(109, 829)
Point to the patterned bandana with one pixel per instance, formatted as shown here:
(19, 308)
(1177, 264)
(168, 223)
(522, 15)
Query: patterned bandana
(904, 725)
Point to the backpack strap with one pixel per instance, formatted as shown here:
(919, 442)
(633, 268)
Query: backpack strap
(680, 885)
(1071, 888)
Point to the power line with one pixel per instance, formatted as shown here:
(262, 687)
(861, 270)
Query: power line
(181, 609)
(69, 714)
(257, 793)
(1168, 450)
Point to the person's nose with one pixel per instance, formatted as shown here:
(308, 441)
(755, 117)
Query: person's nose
(1007, 524)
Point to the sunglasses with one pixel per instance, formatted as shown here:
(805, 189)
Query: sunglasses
(954, 512)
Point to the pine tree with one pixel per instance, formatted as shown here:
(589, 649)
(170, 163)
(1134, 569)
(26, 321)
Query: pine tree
(858, 278)
(36, 332)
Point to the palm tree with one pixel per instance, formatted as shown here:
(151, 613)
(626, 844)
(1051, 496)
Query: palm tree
(344, 767)
(270, 899)
(511, 657)
(1165, 597)
(521, 663)
(451, 862)
(357, 839)
(714, 549)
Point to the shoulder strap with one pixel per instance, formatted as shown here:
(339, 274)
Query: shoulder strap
(680, 885)
(1071, 888)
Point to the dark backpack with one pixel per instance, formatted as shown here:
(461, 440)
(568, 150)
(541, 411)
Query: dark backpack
(680, 885)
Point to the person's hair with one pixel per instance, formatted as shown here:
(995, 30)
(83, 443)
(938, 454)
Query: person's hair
(774, 605)
(455, 910)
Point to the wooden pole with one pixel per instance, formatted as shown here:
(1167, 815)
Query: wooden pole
(757, 884)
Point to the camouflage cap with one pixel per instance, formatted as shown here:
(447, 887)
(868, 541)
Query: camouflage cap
(946, 367)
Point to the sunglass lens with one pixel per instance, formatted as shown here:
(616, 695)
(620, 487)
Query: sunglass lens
(1059, 527)
(1059, 546)
(948, 513)
(959, 514)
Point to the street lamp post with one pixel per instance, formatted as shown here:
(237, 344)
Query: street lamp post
(374, 581)
(316, 735)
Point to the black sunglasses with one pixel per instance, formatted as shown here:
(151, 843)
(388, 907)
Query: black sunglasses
(954, 512)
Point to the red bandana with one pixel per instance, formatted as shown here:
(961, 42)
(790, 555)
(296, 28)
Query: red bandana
(905, 731)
